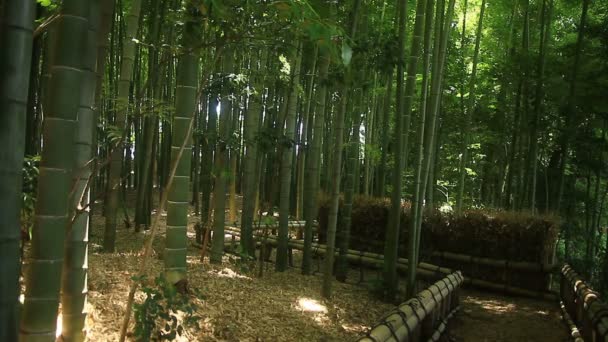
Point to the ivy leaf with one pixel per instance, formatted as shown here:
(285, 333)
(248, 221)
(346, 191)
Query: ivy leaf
(45, 3)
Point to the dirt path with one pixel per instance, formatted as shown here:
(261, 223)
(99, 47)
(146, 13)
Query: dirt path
(489, 317)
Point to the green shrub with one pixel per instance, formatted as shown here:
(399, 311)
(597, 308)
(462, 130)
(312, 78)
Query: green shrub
(157, 318)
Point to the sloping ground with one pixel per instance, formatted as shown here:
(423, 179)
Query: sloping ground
(234, 305)
(489, 317)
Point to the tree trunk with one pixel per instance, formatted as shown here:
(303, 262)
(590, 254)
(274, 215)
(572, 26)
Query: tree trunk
(314, 160)
(469, 114)
(126, 75)
(16, 27)
(43, 274)
(178, 204)
(75, 263)
(221, 158)
(570, 124)
(287, 162)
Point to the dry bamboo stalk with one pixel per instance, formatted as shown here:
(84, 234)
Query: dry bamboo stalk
(594, 312)
(574, 332)
(582, 290)
(511, 290)
(404, 324)
(293, 225)
(321, 249)
(361, 259)
(425, 269)
(498, 263)
(443, 325)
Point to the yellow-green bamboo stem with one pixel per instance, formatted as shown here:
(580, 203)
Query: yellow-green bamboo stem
(178, 202)
(44, 265)
(124, 84)
(74, 284)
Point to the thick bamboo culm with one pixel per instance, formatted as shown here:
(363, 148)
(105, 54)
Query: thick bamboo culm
(574, 332)
(427, 270)
(498, 263)
(421, 318)
(587, 311)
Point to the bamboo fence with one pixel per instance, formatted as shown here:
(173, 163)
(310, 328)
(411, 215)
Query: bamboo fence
(423, 318)
(574, 332)
(521, 266)
(583, 306)
(425, 270)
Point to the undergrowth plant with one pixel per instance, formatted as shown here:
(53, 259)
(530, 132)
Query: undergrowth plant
(165, 312)
(30, 184)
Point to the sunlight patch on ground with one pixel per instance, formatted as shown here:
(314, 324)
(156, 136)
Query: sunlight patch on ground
(311, 305)
(228, 273)
(498, 307)
(494, 306)
(314, 307)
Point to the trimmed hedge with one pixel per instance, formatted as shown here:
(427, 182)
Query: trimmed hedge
(480, 233)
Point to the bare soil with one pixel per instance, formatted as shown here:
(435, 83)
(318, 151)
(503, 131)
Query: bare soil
(487, 317)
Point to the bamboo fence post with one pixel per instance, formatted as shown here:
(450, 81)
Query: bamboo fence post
(421, 318)
(583, 306)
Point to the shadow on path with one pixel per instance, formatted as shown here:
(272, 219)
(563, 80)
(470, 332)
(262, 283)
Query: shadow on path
(489, 317)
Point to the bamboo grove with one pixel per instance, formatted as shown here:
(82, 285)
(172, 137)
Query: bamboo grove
(441, 104)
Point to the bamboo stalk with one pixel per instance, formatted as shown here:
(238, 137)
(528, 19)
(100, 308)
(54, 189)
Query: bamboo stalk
(147, 248)
(443, 325)
(574, 332)
(427, 271)
(591, 311)
(511, 290)
(264, 226)
(404, 323)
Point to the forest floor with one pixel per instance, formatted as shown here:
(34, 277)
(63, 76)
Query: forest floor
(235, 305)
(489, 317)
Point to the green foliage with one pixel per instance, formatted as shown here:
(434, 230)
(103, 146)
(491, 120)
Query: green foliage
(269, 139)
(30, 185)
(285, 71)
(47, 3)
(164, 313)
(114, 134)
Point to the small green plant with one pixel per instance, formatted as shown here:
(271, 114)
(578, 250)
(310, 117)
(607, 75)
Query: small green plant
(29, 188)
(165, 312)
